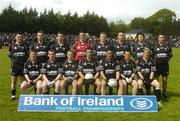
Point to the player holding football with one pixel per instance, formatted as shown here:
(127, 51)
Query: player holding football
(88, 71)
(110, 70)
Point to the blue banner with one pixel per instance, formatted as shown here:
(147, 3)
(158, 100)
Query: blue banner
(87, 103)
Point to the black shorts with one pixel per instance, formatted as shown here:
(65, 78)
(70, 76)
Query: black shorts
(17, 69)
(162, 69)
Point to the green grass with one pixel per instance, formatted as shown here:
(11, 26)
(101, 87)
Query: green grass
(169, 112)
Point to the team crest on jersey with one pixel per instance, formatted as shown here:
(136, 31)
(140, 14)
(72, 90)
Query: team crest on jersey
(15, 48)
(158, 49)
(29, 66)
(37, 47)
(85, 63)
(106, 64)
(124, 66)
(48, 66)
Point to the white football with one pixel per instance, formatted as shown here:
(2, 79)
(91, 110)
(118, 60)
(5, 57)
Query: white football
(89, 76)
(112, 82)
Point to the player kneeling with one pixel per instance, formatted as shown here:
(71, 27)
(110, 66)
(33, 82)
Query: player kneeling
(110, 72)
(32, 74)
(89, 72)
(70, 72)
(128, 70)
(145, 71)
(52, 74)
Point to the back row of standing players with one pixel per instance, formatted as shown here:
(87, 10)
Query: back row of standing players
(46, 65)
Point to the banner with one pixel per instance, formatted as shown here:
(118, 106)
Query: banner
(87, 103)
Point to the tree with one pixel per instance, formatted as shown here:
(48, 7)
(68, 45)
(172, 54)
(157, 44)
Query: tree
(162, 21)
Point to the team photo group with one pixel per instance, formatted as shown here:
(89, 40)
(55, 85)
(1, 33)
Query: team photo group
(90, 68)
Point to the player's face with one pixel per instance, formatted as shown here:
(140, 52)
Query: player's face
(19, 38)
(51, 55)
(60, 37)
(82, 36)
(89, 53)
(146, 54)
(40, 36)
(33, 56)
(127, 55)
(120, 36)
(140, 38)
(70, 55)
(102, 37)
(109, 54)
(161, 38)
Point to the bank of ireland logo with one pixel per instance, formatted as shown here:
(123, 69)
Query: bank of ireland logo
(141, 103)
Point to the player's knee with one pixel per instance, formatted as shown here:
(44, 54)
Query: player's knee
(121, 83)
(140, 83)
(23, 85)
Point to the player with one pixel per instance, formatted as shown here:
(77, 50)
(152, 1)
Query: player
(110, 69)
(145, 71)
(60, 48)
(101, 47)
(88, 71)
(139, 46)
(32, 74)
(52, 75)
(162, 55)
(18, 53)
(80, 46)
(120, 46)
(128, 73)
(70, 72)
(41, 47)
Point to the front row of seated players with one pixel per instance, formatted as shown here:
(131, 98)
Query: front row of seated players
(108, 72)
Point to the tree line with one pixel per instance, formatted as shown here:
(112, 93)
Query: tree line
(30, 20)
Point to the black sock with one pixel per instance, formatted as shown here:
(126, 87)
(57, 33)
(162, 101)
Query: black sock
(45, 93)
(158, 94)
(66, 89)
(95, 90)
(13, 92)
(140, 91)
(35, 89)
(110, 90)
(56, 93)
(164, 91)
(148, 90)
(87, 86)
